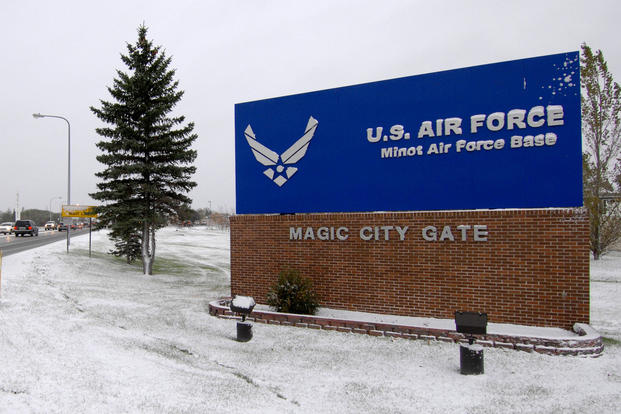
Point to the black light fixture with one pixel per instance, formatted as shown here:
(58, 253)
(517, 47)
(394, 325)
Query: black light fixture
(471, 355)
(243, 306)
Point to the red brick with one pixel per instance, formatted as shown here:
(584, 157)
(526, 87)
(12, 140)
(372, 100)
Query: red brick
(518, 276)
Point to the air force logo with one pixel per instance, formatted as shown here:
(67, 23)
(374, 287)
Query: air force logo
(292, 155)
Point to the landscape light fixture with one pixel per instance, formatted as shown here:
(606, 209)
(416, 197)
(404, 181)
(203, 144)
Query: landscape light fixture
(243, 305)
(37, 116)
(471, 355)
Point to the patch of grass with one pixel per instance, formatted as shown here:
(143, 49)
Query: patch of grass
(108, 260)
(84, 252)
(610, 341)
(162, 265)
(96, 255)
(172, 266)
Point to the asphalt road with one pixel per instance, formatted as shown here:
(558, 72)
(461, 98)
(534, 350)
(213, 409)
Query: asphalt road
(9, 244)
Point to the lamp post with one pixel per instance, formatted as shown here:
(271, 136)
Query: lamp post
(37, 116)
(53, 198)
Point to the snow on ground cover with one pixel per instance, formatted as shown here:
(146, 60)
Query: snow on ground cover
(607, 269)
(606, 295)
(80, 334)
(435, 323)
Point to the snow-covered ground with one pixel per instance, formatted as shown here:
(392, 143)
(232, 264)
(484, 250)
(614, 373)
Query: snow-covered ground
(93, 335)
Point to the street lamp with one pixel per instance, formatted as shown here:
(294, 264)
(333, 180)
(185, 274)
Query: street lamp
(53, 198)
(37, 116)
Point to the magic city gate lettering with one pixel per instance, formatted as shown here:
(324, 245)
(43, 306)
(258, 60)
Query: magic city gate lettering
(322, 233)
(463, 232)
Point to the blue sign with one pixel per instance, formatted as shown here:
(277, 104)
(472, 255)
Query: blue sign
(504, 135)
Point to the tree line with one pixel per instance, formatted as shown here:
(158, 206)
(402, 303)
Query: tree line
(40, 217)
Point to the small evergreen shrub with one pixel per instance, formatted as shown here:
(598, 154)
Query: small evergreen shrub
(293, 294)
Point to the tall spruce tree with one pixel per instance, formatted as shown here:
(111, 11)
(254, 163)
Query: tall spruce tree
(601, 131)
(146, 152)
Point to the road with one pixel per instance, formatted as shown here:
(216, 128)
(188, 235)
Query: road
(9, 244)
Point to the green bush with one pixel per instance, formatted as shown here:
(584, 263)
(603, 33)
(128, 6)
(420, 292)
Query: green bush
(293, 294)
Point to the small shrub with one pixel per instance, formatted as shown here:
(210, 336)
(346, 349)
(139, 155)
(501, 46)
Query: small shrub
(293, 294)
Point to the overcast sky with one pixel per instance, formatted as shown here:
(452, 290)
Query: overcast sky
(59, 57)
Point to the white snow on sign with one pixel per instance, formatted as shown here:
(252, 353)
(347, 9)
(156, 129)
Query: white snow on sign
(244, 302)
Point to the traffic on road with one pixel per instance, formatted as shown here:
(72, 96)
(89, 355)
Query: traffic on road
(15, 241)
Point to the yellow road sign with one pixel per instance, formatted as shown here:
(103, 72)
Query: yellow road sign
(76, 210)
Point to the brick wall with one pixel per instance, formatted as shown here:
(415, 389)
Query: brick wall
(528, 267)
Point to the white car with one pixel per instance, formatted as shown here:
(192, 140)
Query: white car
(50, 225)
(6, 227)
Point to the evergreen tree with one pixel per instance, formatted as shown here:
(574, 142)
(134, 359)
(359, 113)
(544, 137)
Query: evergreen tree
(146, 153)
(186, 213)
(127, 242)
(601, 131)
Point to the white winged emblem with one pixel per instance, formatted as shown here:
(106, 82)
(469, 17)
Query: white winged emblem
(292, 155)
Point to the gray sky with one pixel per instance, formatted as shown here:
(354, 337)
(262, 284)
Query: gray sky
(59, 57)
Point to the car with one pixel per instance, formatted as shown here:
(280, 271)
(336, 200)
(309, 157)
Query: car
(6, 227)
(62, 227)
(50, 225)
(22, 227)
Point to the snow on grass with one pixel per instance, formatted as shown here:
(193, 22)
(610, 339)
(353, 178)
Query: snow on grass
(606, 295)
(93, 335)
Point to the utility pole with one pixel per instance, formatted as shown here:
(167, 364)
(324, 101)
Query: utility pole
(37, 116)
(17, 212)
